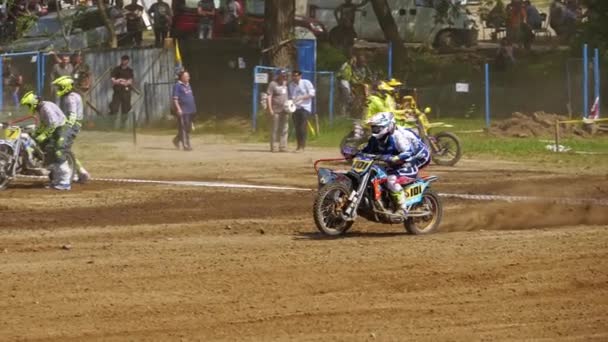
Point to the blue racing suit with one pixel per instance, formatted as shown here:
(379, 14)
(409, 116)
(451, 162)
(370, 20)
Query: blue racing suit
(405, 153)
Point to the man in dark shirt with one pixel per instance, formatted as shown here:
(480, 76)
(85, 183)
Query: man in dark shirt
(206, 12)
(185, 108)
(122, 82)
(135, 23)
(162, 15)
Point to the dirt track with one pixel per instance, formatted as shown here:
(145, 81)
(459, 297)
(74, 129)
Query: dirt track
(157, 262)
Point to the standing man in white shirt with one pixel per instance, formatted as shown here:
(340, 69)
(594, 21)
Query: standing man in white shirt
(302, 92)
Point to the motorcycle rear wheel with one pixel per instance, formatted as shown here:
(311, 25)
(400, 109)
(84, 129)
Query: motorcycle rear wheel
(449, 152)
(5, 161)
(327, 209)
(429, 224)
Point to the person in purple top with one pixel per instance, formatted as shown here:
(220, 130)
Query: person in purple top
(185, 108)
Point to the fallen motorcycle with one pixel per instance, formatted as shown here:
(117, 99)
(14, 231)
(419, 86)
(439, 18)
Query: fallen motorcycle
(344, 196)
(445, 146)
(14, 143)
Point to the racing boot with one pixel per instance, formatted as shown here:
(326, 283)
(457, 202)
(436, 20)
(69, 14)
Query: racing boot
(52, 170)
(61, 177)
(399, 200)
(82, 174)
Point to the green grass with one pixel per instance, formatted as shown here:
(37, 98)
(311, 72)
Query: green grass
(480, 145)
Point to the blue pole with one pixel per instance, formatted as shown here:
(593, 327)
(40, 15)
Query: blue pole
(331, 99)
(390, 60)
(1, 84)
(43, 70)
(596, 69)
(585, 81)
(487, 68)
(254, 112)
(39, 79)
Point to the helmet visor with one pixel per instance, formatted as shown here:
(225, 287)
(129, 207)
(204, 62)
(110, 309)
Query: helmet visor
(377, 129)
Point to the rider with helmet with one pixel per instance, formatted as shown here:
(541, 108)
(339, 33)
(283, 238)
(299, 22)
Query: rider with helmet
(376, 101)
(52, 134)
(72, 105)
(390, 97)
(409, 115)
(403, 151)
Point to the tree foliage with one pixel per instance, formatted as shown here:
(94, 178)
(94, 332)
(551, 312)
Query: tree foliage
(279, 33)
(391, 32)
(594, 29)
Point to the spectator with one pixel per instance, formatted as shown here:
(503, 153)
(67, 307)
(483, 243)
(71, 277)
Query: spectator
(346, 78)
(162, 16)
(504, 57)
(206, 12)
(562, 19)
(122, 82)
(362, 72)
(62, 67)
(232, 14)
(185, 109)
(496, 18)
(135, 23)
(516, 18)
(82, 74)
(277, 98)
(302, 92)
(533, 15)
(12, 82)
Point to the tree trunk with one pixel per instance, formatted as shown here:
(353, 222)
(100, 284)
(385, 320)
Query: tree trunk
(108, 23)
(279, 33)
(391, 33)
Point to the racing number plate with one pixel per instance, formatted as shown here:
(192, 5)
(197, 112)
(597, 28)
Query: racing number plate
(10, 134)
(360, 165)
(413, 191)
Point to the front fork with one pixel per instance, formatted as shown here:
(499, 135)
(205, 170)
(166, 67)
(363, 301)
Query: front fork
(355, 199)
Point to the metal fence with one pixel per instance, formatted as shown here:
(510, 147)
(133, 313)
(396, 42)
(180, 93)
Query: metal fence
(150, 66)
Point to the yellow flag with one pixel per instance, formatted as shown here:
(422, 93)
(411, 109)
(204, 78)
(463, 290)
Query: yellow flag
(178, 55)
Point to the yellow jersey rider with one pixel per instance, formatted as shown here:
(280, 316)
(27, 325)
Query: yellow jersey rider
(410, 114)
(376, 101)
(390, 97)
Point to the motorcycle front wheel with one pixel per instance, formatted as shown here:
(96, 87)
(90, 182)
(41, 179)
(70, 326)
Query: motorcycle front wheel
(448, 150)
(328, 208)
(426, 224)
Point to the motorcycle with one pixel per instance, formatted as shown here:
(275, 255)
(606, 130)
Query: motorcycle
(14, 159)
(445, 146)
(344, 196)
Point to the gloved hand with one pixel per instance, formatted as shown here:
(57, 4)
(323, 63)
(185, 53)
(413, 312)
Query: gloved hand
(40, 138)
(388, 158)
(395, 160)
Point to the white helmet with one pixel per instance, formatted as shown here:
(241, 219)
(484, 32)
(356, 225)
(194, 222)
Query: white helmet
(290, 106)
(382, 124)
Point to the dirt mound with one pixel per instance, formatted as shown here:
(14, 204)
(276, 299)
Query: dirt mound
(538, 124)
(520, 216)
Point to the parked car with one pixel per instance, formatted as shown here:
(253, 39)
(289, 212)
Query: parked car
(87, 30)
(416, 20)
(185, 20)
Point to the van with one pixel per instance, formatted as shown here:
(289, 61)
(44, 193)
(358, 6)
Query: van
(417, 21)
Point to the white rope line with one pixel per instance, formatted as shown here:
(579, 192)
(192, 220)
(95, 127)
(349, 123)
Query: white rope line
(474, 197)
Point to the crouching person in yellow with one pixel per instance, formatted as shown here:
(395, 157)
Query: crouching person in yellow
(53, 135)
